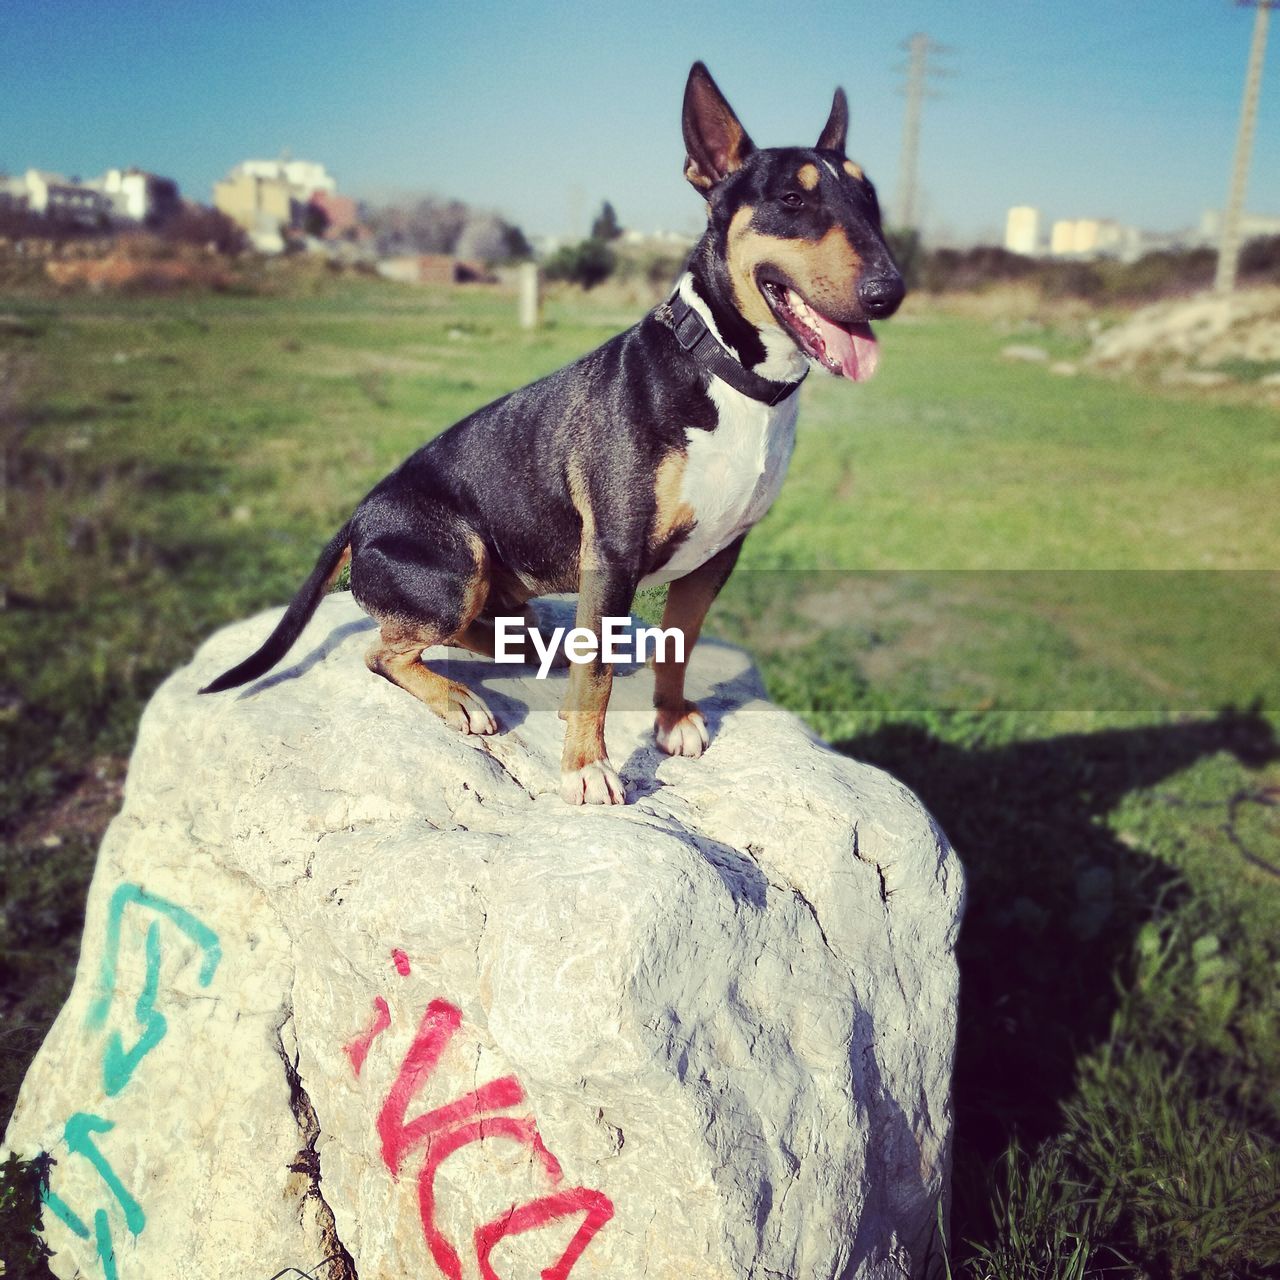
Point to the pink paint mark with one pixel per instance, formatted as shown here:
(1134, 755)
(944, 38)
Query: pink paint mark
(497, 1095)
(358, 1049)
(438, 1026)
(446, 1129)
(402, 962)
(435, 1031)
(523, 1131)
(539, 1213)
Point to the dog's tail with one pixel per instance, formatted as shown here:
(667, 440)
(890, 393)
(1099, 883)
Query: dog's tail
(278, 643)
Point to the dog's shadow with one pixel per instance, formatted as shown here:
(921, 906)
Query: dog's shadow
(1057, 898)
(640, 769)
(299, 669)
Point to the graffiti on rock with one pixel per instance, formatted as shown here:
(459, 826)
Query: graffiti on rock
(119, 1064)
(482, 1114)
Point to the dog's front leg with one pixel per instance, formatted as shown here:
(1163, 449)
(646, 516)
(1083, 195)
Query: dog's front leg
(678, 724)
(606, 590)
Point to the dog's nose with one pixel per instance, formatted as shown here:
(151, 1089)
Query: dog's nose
(881, 295)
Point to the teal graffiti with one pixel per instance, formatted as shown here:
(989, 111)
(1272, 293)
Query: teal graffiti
(106, 1250)
(59, 1208)
(118, 1063)
(79, 1132)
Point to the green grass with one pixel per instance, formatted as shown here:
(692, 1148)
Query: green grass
(1050, 605)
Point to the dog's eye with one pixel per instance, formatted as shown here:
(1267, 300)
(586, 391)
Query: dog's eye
(793, 199)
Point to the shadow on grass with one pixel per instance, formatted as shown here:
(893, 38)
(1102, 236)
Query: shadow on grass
(1055, 900)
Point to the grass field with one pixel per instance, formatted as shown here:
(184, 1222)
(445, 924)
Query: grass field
(1051, 605)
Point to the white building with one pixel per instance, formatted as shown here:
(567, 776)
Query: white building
(1252, 225)
(52, 196)
(1022, 230)
(266, 197)
(128, 190)
(306, 175)
(1093, 238)
(120, 195)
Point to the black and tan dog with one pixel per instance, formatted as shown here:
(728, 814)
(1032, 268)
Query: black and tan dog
(646, 461)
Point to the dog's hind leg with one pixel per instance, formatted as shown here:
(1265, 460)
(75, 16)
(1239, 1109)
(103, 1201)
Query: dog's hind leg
(397, 656)
(423, 596)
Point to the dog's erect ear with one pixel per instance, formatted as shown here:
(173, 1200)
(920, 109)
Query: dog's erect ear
(833, 132)
(716, 143)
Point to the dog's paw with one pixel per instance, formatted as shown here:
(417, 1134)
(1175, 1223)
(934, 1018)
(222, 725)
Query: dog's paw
(595, 783)
(687, 736)
(466, 712)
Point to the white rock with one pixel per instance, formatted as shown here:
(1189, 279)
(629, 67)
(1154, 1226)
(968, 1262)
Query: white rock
(1207, 328)
(714, 1027)
(1022, 351)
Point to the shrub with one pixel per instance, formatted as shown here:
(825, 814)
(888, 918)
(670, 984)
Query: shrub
(587, 263)
(22, 1183)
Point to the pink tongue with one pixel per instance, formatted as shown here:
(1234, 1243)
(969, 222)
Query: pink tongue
(857, 351)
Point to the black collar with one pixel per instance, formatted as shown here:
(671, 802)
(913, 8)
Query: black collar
(694, 337)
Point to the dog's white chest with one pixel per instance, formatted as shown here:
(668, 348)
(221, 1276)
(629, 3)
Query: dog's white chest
(731, 475)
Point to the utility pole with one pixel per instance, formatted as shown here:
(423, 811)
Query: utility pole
(918, 72)
(1229, 244)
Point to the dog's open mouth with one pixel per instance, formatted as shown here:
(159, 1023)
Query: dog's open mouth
(849, 350)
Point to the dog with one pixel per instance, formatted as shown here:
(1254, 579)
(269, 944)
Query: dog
(647, 461)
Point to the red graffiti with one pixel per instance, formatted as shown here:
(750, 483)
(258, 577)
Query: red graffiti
(470, 1118)
(436, 1029)
(537, 1213)
(523, 1131)
(401, 961)
(358, 1049)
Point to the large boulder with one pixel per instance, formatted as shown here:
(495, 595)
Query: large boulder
(356, 988)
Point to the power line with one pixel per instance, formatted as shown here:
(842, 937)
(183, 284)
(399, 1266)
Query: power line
(1229, 244)
(919, 72)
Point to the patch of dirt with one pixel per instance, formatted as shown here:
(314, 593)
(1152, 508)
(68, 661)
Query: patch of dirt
(83, 810)
(117, 272)
(916, 629)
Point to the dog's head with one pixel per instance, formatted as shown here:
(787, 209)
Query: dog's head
(797, 229)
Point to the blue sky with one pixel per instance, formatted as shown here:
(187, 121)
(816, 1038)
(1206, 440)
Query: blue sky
(1105, 108)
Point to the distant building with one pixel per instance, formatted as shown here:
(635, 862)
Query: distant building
(304, 175)
(50, 195)
(261, 206)
(659, 238)
(1093, 238)
(13, 193)
(1252, 226)
(434, 268)
(341, 215)
(268, 197)
(1022, 230)
(120, 197)
(137, 196)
